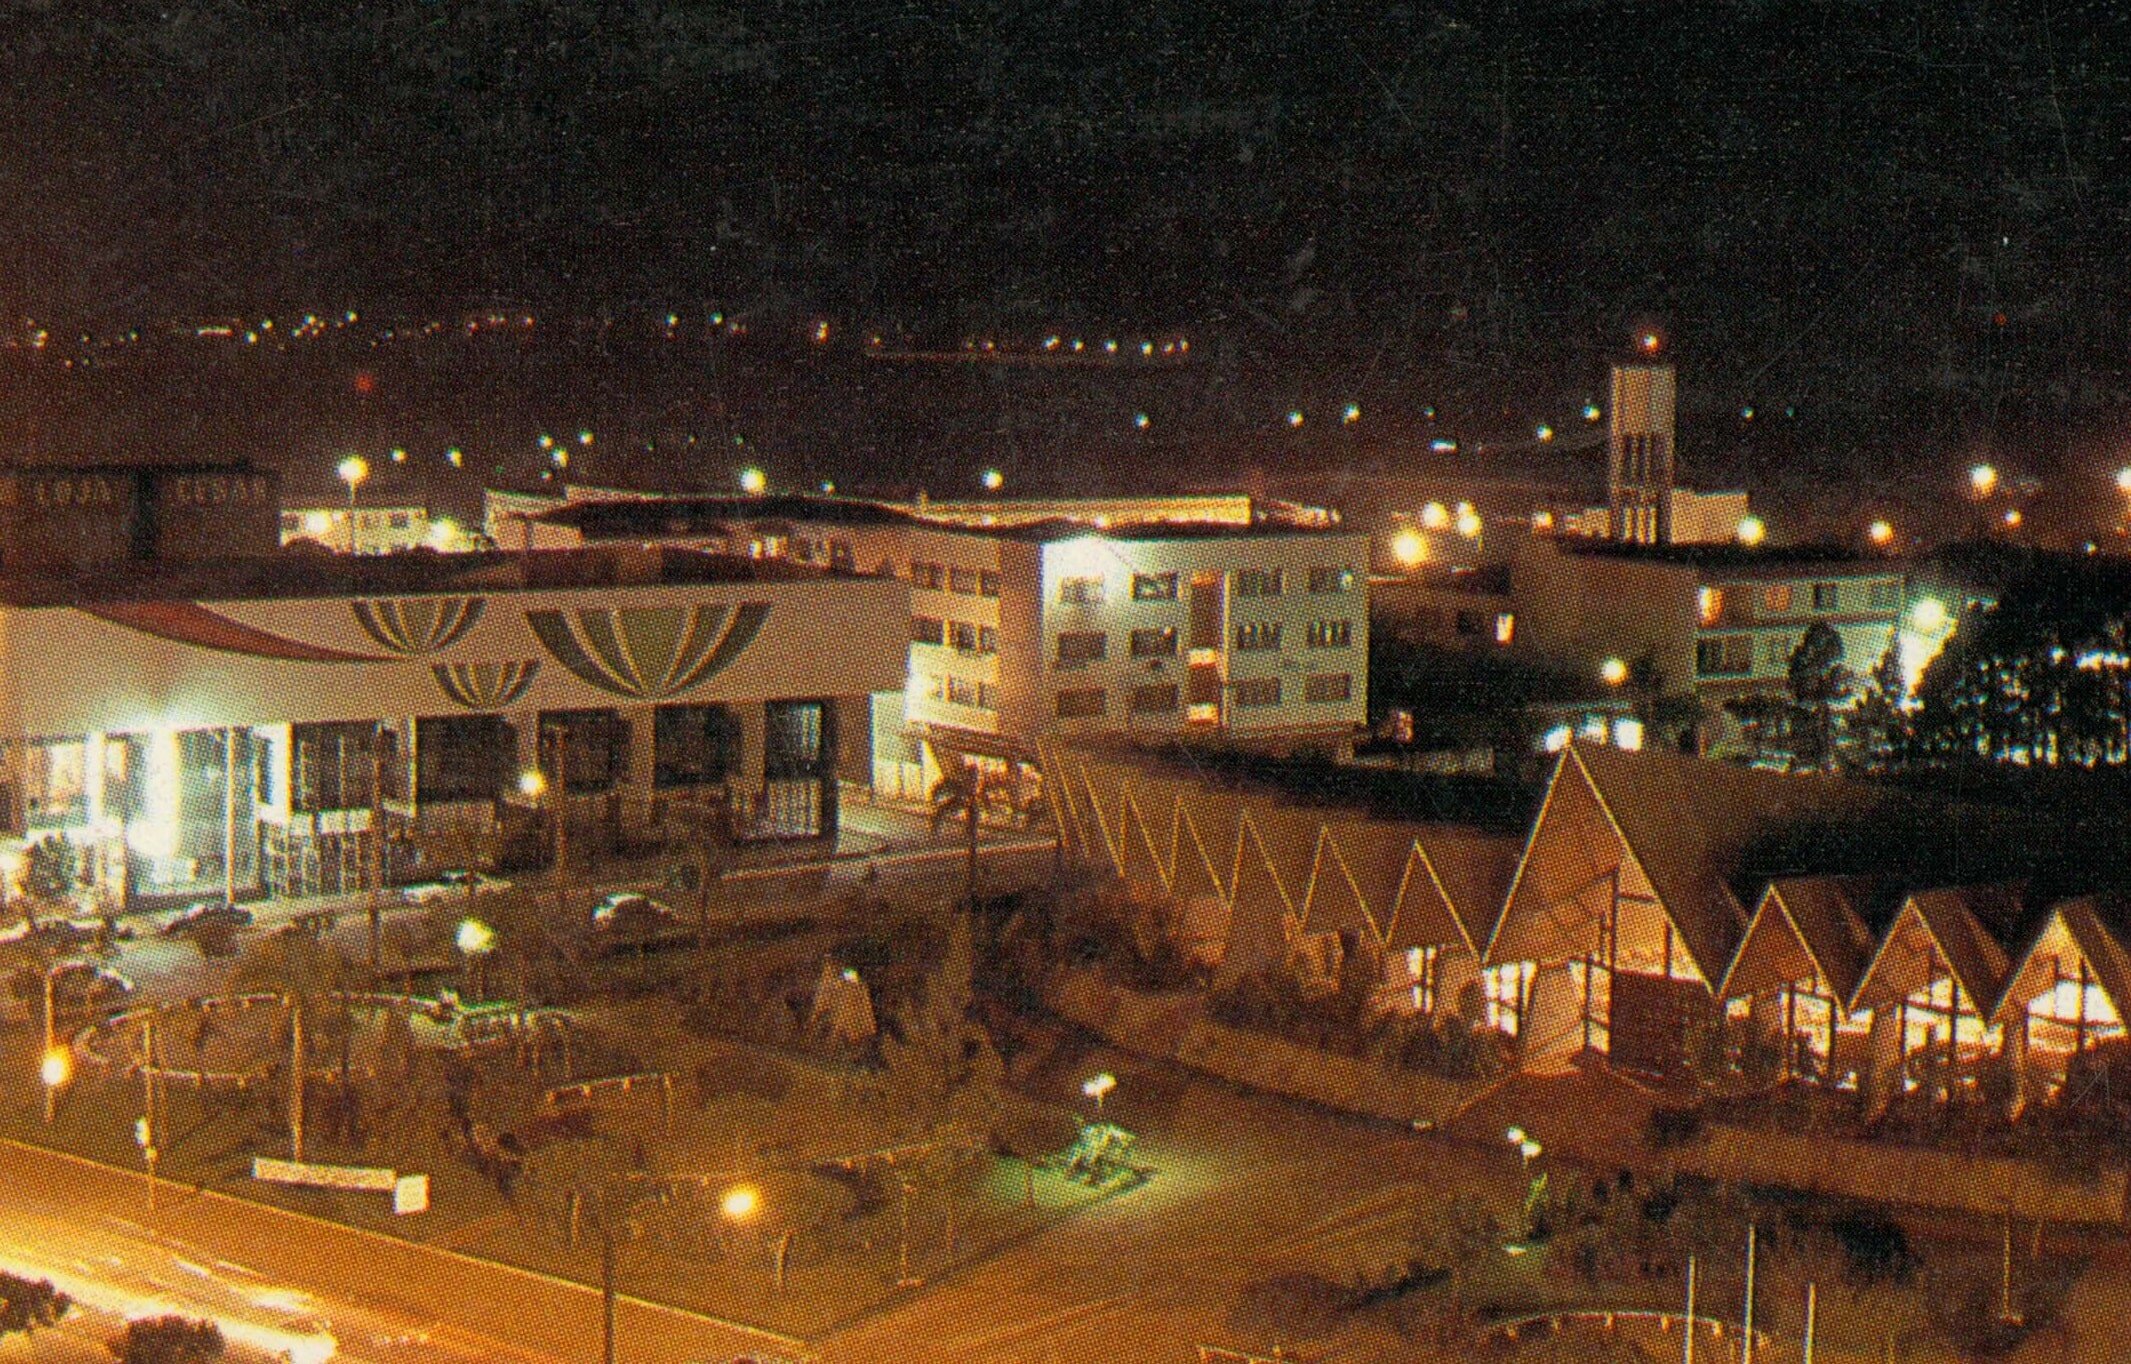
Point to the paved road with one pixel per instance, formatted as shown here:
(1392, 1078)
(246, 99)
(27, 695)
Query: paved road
(281, 1282)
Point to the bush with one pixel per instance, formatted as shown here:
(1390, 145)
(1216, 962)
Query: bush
(1875, 1249)
(168, 1340)
(1674, 1125)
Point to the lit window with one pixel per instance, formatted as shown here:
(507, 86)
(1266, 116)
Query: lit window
(1082, 646)
(1557, 738)
(1258, 582)
(1331, 634)
(1261, 634)
(1776, 597)
(1325, 579)
(1154, 586)
(1154, 643)
(1710, 602)
(1505, 627)
(1628, 735)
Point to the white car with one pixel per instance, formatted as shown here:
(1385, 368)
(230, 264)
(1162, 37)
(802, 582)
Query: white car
(450, 883)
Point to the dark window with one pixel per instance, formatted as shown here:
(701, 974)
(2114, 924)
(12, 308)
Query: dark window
(1258, 582)
(1886, 595)
(590, 747)
(927, 630)
(987, 639)
(1154, 699)
(1331, 579)
(987, 584)
(799, 739)
(927, 575)
(1724, 656)
(1469, 623)
(1261, 634)
(963, 691)
(463, 757)
(1154, 643)
(329, 766)
(1082, 646)
(963, 580)
(1258, 691)
(1827, 596)
(962, 635)
(1154, 587)
(1329, 687)
(1082, 703)
(694, 745)
(1080, 591)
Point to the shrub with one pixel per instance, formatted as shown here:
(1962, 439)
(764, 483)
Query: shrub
(1674, 1125)
(1875, 1249)
(168, 1340)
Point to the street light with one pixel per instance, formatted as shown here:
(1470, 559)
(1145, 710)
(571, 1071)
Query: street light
(741, 1203)
(1613, 672)
(1752, 531)
(993, 480)
(1409, 548)
(1880, 533)
(353, 471)
(1098, 1088)
(1983, 480)
(56, 1069)
(475, 940)
(532, 783)
(753, 481)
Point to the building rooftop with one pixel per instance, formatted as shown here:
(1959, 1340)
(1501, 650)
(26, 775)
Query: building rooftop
(310, 573)
(1739, 560)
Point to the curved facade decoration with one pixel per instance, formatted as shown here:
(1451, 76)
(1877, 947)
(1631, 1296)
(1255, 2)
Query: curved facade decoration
(417, 625)
(193, 624)
(486, 686)
(652, 652)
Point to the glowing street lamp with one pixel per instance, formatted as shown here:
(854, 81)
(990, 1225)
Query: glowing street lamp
(353, 470)
(1752, 531)
(1983, 480)
(55, 1070)
(2123, 481)
(1098, 1088)
(1613, 672)
(532, 783)
(1409, 548)
(993, 480)
(1880, 533)
(740, 1203)
(753, 481)
(475, 941)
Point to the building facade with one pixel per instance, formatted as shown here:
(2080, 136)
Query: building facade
(287, 724)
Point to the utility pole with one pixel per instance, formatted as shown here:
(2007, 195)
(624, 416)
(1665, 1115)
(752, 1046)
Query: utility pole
(1687, 1336)
(1812, 1306)
(296, 1067)
(377, 847)
(606, 1283)
(150, 1125)
(229, 815)
(1746, 1335)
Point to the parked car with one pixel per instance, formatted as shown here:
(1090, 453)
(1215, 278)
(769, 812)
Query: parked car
(56, 934)
(81, 987)
(451, 883)
(629, 916)
(206, 914)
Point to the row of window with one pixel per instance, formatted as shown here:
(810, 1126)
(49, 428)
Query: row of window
(1081, 703)
(1738, 603)
(1249, 582)
(1092, 646)
(963, 691)
(970, 582)
(964, 635)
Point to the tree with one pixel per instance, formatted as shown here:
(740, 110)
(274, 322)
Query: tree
(1877, 735)
(969, 796)
(53, 868)
(26, 1304)
(1818, 684)
(168, 1340)
(307, 973)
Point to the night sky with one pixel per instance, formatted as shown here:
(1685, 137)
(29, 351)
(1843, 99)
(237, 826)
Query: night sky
(1904, 223)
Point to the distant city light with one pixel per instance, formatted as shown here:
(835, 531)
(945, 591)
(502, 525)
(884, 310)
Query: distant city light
(584, 438)
(456, 456)
(1294, 418)
(1110, 347)
(1351, 413)
(1435, 516)
(316, 523)
(1146, 348)
(1545, 432)
(1591, 412)
(1139, 419)
(1409, 548)
(753, 481)
(1468, 523)
(1542, 520)
(532, 783)
(1752, 531)
(821, 332)
(474, 937)
(1613, 672)
(1746, 413)
(1880, 533)
(547, 442)
(399, 456)
(2123, 480)
(1443, 445)
(2013, 516)
(1983, 480)
(828, 487)
(993, 480)
(1649, 343)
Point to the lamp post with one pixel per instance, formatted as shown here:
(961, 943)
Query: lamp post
(353, 470)
(56, 1065)
(1098, 1088)
(475, 941)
